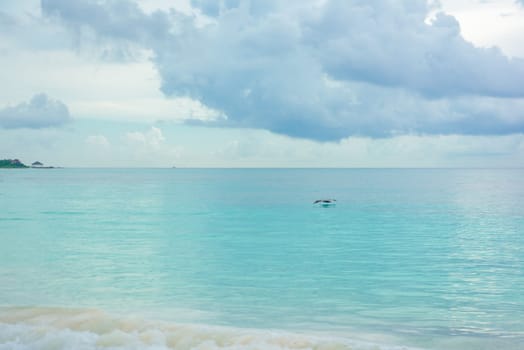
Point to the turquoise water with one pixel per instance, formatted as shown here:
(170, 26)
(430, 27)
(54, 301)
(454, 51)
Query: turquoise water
(242, 259)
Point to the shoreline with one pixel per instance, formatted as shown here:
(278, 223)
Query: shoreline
(58, 328)
(91, 328)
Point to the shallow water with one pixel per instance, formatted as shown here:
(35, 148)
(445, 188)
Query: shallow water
(418, 258)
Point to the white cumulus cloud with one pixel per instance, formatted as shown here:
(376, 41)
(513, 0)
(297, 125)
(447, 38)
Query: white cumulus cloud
(151, 138)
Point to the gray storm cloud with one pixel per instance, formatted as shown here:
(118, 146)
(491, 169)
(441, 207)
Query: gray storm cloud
(39, 112)
(319, 70)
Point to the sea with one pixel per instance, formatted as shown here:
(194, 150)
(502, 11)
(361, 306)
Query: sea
(242, 259)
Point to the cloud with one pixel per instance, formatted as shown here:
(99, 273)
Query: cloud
(149, 147)
(319, 70)
(120, 19)
(97, 141)
(152, 138)
(6, 21)
(39, 112)
(393, 46)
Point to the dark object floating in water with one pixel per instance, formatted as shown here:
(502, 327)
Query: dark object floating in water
(326, 202)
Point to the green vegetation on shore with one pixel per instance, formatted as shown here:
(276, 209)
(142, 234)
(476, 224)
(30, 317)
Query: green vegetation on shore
(12, 163)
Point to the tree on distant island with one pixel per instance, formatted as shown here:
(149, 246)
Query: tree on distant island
(12, 163)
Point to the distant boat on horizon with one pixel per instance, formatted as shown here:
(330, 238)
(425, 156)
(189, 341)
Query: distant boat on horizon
(40, 165)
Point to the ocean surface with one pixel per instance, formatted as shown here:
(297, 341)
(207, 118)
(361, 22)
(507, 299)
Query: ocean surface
(242, 259)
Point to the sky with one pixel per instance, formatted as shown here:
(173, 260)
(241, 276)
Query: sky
(262, 83)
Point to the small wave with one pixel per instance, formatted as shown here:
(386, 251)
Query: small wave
(15, 219)
(86, 329)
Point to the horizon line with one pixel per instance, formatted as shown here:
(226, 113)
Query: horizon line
(276, 168)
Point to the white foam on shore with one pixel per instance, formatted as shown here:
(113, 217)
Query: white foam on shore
(86, 329)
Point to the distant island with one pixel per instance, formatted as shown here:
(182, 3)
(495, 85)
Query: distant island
(15, 163)
(12, 163)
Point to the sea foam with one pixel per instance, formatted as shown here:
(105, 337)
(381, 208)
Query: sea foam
(86, 329)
